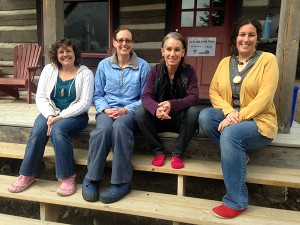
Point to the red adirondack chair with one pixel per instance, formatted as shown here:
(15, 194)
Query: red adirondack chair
(26, 58)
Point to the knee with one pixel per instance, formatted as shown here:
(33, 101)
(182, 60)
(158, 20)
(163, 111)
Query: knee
(204, 116)
(56, 133)
(140, 113)
(118, 126)
(192, 114)
(101, 131)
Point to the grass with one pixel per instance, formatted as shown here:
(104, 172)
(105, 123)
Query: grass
(297, 110)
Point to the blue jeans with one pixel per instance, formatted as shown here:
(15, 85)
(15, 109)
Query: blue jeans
(117, 135)
(234, 141)
(60, 137)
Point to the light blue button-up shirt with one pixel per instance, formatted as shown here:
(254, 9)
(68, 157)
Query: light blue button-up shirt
(120, 88)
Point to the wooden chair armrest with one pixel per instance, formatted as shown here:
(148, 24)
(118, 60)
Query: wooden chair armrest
(33, 68)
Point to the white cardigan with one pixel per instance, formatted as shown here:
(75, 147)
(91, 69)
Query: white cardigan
(84, 85)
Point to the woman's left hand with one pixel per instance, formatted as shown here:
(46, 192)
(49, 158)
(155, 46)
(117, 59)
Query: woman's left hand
(163, 110)
(225, 123)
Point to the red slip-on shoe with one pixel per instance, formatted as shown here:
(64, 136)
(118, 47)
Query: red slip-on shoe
(159, 160)
(177, 162)
(224, 212)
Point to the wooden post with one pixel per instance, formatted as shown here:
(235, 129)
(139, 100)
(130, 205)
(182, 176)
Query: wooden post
(53, 15)
(49, 212)
(181, 184)
(287, 53)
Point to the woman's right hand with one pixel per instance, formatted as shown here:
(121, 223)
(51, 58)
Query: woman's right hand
(49, 119)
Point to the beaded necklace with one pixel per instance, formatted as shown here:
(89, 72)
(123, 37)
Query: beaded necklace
(247, 60)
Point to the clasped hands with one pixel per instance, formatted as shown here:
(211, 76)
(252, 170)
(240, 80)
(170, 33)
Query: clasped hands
(115, 113)
(231, 118)
(51, 120)
(163, 110)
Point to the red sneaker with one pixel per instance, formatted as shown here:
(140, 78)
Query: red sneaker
(224, 212)
(177, 162)
(159, 160)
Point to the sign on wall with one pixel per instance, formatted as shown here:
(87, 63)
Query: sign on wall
(201, 46)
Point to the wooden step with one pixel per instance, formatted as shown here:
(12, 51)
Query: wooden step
(153, 205)
(13, 220)
(258, 174)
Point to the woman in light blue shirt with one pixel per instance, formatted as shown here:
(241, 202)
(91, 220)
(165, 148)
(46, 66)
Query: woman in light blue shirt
(119, 83)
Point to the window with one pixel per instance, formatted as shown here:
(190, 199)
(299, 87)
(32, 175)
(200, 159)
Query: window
(87, 24)
(197, 13)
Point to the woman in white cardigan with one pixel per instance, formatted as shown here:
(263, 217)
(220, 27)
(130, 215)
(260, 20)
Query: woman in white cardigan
(63, 97)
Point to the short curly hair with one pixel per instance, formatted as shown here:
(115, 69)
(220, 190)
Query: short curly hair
(63, 43)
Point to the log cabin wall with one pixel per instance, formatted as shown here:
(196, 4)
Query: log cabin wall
(18, 24)
(147, 21)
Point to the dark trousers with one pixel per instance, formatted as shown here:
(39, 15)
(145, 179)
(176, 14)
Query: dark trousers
(184, 123)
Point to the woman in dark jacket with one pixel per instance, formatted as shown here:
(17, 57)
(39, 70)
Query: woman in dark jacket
(169, 101)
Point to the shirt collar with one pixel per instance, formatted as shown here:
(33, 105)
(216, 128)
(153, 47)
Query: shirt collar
(133, 62)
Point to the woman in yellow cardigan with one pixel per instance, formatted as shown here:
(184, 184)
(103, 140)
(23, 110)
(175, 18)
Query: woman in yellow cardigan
(243, 116)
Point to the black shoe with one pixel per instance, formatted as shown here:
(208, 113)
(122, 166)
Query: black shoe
(90, 190)
(114, 193)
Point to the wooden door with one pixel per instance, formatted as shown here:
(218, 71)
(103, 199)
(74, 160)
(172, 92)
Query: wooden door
(205, 19)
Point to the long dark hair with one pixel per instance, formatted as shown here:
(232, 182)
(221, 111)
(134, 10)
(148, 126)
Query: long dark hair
(236, 27)
(179, 37)
(63, 43)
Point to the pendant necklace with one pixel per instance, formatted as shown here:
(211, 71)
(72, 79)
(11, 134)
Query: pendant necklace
(238, 79)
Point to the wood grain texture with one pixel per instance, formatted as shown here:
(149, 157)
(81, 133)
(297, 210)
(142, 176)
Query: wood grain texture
(154, 205)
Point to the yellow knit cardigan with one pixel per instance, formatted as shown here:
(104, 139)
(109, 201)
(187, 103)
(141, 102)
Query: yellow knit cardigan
(256, 95)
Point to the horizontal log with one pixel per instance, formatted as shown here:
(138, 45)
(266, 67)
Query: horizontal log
(18, 22)
(147, 35)
(141, 3)
(19, 36)
(150, 55)
(7, 5)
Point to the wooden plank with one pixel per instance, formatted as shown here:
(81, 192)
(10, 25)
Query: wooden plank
(258, 174)
(13, 220)
(14, 114)
(153, 205)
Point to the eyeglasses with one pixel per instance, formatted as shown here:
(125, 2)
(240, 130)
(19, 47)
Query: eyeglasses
(121, 40)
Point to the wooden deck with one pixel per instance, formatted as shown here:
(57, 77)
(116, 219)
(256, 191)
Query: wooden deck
(276, 165)
(18, 113)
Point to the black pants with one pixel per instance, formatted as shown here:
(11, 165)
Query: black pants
(184, 123)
